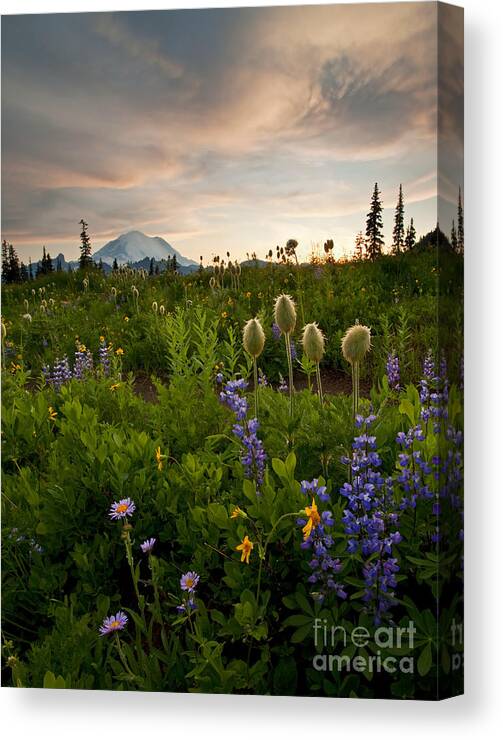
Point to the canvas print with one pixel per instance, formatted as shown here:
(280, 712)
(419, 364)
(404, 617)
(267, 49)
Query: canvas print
(232, 351)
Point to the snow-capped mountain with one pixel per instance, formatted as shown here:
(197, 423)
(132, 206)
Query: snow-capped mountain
(135, 246)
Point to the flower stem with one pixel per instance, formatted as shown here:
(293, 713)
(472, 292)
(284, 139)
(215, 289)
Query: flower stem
(255, 381)
(318, 382)
(290, 370)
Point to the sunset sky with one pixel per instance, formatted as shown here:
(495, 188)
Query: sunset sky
(219, 130)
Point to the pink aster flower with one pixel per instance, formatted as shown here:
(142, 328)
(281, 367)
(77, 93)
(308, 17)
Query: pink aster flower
(122, 509)
(113, 623)
(189, 581)
(148, 545)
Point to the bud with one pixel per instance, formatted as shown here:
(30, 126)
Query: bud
(356, 343)
(27, 316)
(162, 310)
(313, 342)
(253, 337)
(284, 313)
(212, 282)
(154, 306)
(26, 304)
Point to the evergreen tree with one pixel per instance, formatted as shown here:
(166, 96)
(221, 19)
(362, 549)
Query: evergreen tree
(359, 244)
(59, 266)
(85, 261)
(461, 225)
(30, 270)
(49, 267)
(174, 265)
(115, 266)
(100, 265)
(373, 232)
(398, 228)
(410, 238)
(23, 273)
(5, 261)
(14, 269)
(454, 237)
(157, 269)
(152, 265)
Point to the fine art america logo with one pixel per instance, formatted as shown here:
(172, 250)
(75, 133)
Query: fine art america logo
(329, 638)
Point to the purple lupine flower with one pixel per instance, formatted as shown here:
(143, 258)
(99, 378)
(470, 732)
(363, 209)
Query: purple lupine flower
(254, 457)
(59, 374)
(83, 362)
(276, 332)
(113, 623)
(122, 509)
(187, 606)
(371, 519)
(393, 371)
(104, 357)
(148, 545)
(262, 378)
(283, 385)
(293, 350)
(189, 581)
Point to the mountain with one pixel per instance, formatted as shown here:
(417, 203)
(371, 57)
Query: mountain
(135, 247)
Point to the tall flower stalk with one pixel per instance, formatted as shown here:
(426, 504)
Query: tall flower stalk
(253, 341)
(355, 345)
(285, 317)
(313, 343)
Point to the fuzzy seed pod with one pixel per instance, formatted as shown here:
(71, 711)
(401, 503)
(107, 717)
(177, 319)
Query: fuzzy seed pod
(212, 282)
(285, 315)
(356, 343)
(26, 304)
(27, 316)
(154, 306)
(4, 331)
(253, 337)
(313, 342)
(162, 310)
(114, 291)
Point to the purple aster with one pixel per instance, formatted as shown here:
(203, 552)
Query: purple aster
(148, 545)
(122, 509)
(113, 623)
(189, 581)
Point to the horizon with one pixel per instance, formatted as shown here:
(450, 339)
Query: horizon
(222, 130)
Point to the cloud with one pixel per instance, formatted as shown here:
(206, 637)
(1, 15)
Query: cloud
(215, 125)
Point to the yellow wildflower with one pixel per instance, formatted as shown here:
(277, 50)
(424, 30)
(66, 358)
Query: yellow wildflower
(237, 512)
(224, 314)
(102, 339)
(114, 386)
(248, 294)
(52, 413)
(159, 458)
(313, 519)
(126, 318)
(119, 351)
(245, 547)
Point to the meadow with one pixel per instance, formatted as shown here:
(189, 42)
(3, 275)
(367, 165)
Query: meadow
(185, 508)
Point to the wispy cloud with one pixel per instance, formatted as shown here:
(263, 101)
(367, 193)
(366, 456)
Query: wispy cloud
(217, 128)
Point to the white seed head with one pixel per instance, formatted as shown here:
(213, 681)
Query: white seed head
(284, 313)
(4, 331)
(253, 337)
(356, 343)
(154, 306)
(162, 310)
(313, 342)
(26, 304)
(212, 282)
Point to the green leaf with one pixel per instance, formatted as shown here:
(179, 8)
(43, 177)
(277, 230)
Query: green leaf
(425, 660)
